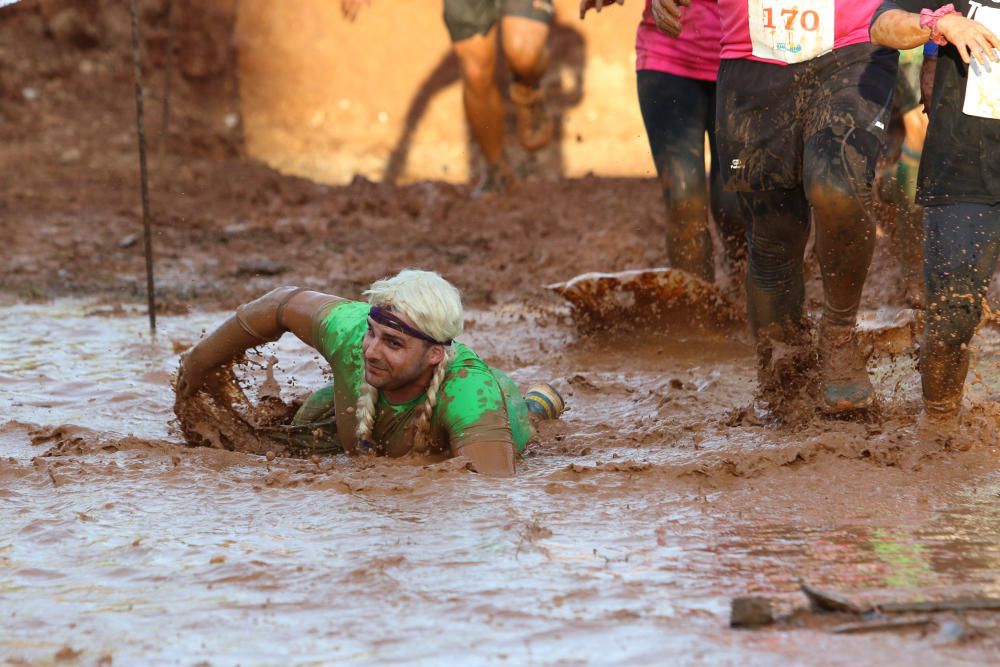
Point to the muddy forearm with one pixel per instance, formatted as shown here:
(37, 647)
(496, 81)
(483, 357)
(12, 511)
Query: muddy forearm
(254, 324)
(899, 29)
(495, 459)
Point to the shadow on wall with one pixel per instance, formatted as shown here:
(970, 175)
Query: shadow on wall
(563, 87)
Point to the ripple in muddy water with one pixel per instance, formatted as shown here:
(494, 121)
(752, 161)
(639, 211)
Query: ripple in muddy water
(628, 529)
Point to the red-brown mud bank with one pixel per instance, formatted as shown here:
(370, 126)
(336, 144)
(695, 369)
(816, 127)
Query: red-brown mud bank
(630, 526)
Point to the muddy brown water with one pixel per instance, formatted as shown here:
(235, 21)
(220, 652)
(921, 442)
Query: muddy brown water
(630, 525)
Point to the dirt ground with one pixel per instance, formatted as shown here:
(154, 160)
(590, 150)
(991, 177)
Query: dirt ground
(226, 227)
(658, 497)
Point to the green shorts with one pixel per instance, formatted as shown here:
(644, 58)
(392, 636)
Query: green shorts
(467, 18)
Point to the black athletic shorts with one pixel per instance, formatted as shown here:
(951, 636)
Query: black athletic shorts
(766, 113)
(467, 18)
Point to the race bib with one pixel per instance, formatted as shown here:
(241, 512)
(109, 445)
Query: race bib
(982, 91)
(791, 31)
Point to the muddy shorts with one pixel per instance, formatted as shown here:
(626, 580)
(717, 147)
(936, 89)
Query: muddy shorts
(467, 18)
(766, 113)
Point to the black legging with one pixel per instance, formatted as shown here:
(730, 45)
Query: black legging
(961, 247)
(677, 111)
(837, 185)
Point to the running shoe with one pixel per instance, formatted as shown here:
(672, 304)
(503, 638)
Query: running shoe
(496, 180)
(843, 370)
(534, 125)
(944, 411)
(544, 401)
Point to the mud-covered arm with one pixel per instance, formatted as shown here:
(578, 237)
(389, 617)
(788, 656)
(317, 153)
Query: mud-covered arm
(898, 27)
(475, 416)
(667, 15)
(587, 5)
(490, 458)
(261, 321)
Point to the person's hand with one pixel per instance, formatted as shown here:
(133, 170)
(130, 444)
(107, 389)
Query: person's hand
(191, 374)
(971, 38)
(597, 5)
(349, 8)
(667, 14)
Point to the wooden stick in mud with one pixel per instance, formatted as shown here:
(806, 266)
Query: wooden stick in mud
(144, 180)
(881, 625)
(827, 601)
(835, 602)
(959, 604)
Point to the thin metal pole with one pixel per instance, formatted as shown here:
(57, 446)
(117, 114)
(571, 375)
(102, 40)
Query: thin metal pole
(140, 125)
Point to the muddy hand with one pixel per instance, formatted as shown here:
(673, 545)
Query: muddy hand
(190, 374)
(667, 14)
(971, 38)
(587, 5)
(349, 8)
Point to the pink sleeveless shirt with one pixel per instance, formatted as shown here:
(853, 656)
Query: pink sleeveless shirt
(693, 54)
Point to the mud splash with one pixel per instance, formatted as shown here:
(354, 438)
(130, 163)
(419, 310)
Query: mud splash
(643, 298)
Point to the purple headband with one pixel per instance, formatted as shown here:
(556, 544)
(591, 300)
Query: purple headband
(389, 319)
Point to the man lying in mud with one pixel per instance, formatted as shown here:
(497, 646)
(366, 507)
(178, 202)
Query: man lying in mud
(401, 383)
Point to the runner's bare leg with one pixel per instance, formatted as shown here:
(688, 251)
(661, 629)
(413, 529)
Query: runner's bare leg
(524, 43)
(483, 103)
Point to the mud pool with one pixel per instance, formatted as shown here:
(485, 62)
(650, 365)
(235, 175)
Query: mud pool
(630, 525)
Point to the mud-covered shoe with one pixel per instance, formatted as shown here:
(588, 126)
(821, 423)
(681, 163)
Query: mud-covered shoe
(846, 386)
(534, 125)
(496, 180)
(942, 412)
(544, 401)
(786, 372)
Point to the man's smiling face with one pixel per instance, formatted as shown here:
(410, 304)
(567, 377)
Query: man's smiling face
(396, 361)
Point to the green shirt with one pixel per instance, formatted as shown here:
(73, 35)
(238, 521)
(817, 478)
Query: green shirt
(475, 403)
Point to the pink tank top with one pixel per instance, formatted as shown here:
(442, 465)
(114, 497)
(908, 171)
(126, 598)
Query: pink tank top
(785, 31)
(693, 54)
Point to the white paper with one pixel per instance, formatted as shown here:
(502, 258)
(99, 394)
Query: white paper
(791, 31)
(982, 92)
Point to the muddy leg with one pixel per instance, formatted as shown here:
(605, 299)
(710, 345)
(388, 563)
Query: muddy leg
(480, 94)
(838, 165)
(676, 112)
(726, 211)
(909, 236)
(778, 227)
(524, 42)
(962, 243)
